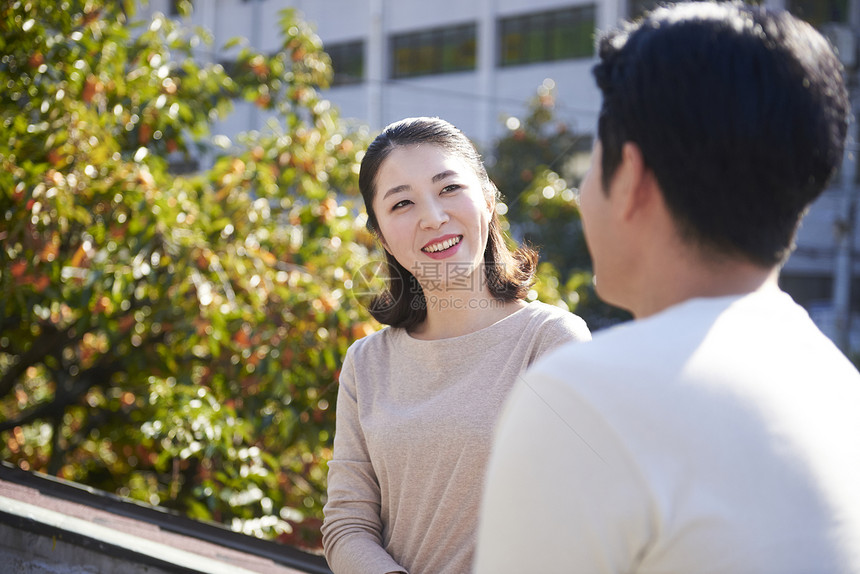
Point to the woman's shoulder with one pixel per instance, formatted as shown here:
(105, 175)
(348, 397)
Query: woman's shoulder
(551, 317)
(550, 327)
(374, 342)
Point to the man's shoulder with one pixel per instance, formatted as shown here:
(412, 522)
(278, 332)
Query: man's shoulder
(761, 330)
(639, 346)
(608, 349)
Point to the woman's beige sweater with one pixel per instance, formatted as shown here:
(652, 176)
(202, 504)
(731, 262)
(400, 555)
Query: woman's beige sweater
(414, 428)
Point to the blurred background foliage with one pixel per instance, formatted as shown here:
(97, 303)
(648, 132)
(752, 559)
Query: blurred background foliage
(173, 338)
(538, 166)
(176, 337)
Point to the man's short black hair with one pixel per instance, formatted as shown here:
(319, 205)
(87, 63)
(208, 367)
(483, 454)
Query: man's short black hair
(740, 112)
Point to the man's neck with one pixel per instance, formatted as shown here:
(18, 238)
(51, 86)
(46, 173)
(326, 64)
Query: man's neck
(680, 280)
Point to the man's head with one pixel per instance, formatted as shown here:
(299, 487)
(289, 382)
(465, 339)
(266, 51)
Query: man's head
(739, 112)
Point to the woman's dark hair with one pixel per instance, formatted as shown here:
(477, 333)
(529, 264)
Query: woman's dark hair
(509, 274)
(740, 112)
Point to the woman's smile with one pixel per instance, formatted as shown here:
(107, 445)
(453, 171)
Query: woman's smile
(443, 247)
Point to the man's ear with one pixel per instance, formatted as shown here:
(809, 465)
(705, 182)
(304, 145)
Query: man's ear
(633, 180)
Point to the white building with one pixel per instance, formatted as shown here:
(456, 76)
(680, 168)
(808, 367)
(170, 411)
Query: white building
(477, 62)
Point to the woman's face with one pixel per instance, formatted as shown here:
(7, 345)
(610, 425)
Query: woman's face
(433, 216)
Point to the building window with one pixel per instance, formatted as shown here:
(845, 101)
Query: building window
(818, 12)
(637, 8)
(436, 51)
(347, 62)
(547, 36)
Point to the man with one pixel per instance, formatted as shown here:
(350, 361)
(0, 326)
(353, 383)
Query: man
(720, 430)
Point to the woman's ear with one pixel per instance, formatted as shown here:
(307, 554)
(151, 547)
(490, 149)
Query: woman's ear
(491, 203)
(383, 242)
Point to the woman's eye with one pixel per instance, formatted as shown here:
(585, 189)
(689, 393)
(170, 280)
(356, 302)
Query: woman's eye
(451, 188)
(400, 204)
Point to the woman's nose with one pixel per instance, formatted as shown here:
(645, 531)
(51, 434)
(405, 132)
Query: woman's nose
(434, 215)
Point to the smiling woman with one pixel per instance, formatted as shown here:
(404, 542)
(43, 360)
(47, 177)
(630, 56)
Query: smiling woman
(418, 401)
(425, 168)
(434, 209)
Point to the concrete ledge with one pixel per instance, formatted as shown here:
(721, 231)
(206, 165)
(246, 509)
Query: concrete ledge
(51, 526)
(110, 543)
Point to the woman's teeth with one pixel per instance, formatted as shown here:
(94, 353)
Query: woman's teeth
(443, 245)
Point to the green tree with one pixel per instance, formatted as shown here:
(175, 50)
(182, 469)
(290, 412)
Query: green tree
(538, 166)
(173, 338)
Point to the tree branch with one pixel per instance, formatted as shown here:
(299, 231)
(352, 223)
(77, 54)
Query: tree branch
(49, 342)
(87, 379)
